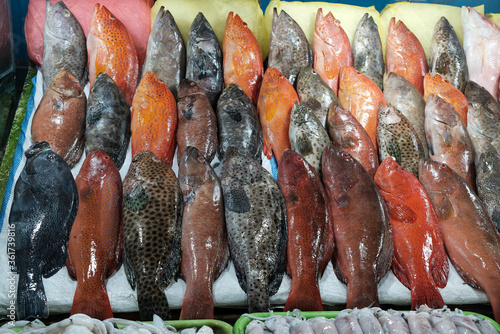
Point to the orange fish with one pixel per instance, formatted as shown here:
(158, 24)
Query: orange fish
(276, 99)
(405, 55)
(362, 97)
(331, 49)
(154, 119)
(111, 50)
(420, 261)
(242, 59)
(94, 248)
(439, 86)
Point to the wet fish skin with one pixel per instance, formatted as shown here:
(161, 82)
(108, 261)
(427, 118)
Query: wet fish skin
(43, 211)
(166, 52)
(64, 45)
(107, 120)
(254, 206)
(488, 183)
(152, 218)
(238, 123)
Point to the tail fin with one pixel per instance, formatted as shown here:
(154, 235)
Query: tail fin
(93, 303)
(304, 297)
(258, 295)
(152, 301)
(31, 299)
(425, 294)
(198, 303)
(362, 294)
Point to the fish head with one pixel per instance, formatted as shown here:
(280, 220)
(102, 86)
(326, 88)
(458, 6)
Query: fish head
(489, 163)
(282, 21)
(478, 95)
(237, 30)
(435, 176)
(308, 78)
(164, 26)
(399, 36)
(200, 30)
(478, 23)
(273, 81)
(194, 170)
(341, 166)
(442, 29)
(104, 22)
(293, 168)
(439, 111)
(146, 167)
(366, 27)
(389, 116)
(300, 115)
(66, 84)
(97, 165)
(60, 22)
(326, 26)
(352, 81)
(41, 160)
(392, 179)
(188, 87)
(344, 128)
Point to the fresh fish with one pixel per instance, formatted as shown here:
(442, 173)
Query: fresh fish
(256, 226)
(310, 234)
(107, 120)
(420, 261)
(276, 99)
(363, 239)
(397, 138)
(307, 136)
(64, 45)
(111, 50)
(448, 139)
(481, 42)
(469, 234)
(393, 324)
(166, 53)
(204, 239)
(314, 93)
(349, 135)
(447, 56)
(42, 214)
(289, 49)
(95, 243)
(406, 98)
(197, 123)
(488, 183)
(204, 59)
(238, 123)
(367, 321)
(347, 323)
(60, 118)
(154, 119)
(405, 55)
(152, 218)
(367, 50)
(242, 58)
(331, 49)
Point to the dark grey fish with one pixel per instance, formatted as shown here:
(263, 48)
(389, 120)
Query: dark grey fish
(166, 53)
(256, 227)
(204, 59)
(64, 45)
(107, 120)
(447, 56)
(238, 123)
(43, 211)
(152, 218)
(367, 50)
(289, 50)
(488, 183)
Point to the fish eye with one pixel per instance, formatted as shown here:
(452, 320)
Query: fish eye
(106, 157)
(112, 17)
(442, 165)
(172, 24)
(51, 157)
(300, 158)
(345, 155)
(244, 24)
(66, 13)
(201, 159)
(314, 72)
(156, 159)
(309, 109)
(398, 111)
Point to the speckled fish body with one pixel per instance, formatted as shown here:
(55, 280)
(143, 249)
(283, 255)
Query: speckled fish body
(397, 138)
(314, 93)
(204, 239)
(447, 56)
(196, 121)
(349, 135)
(367, 52)
(238, 123)
(64, 45)
(107, 120)
(310, 234)
(448, 139)
(289, 50)
(43, 211)
(488, 183)
(152, 218)
(95, 244)
(470, 237)
(363, 238)
(60, 118)
(254, 206)
(204, 59)
(166, 53)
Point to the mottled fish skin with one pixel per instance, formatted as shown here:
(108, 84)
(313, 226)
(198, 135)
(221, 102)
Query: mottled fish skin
(314, 93)
(166, 53)
(397, 138)
(367, 50)
(43, 211)
(64, 45)
(289, 49)
(238, 123)
(205, 250)
(447, 56)
(308, 137)
(152, 218)
(204, 59)
(406, 98)
(254, 207)
(488, 183)
(196, 121)
(107, 120)
(60, 118)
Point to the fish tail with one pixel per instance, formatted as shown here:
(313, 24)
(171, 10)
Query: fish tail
(31, 299)
(93, 303)
(258, 296)
(304, 297)
(362, 294)
(425, 294)
(198, 303)
(152, 300)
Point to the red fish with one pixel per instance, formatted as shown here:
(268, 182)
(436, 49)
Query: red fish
(439, 86)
